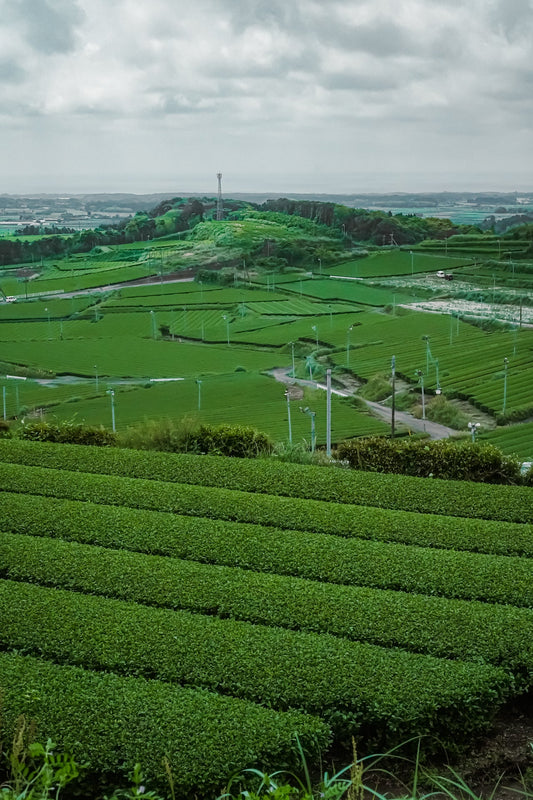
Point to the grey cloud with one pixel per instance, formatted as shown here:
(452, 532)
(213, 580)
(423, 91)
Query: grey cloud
(514, 17)
(353, 81)
(244, 14)
(277, 67)
(174, 103)
(50, 25)
(378, 38)
(10, 72)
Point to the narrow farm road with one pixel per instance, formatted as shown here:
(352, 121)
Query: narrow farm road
(433, 429)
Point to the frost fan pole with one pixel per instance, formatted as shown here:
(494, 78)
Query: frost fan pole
(393, 367)
(328, 413)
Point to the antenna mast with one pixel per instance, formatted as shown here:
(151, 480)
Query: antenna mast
(219, 198)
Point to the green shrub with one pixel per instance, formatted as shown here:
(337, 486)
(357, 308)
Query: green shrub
(166, 435)
(189, 436)
(441, 410)
(497, 634)
(437, 459)
(377, 388)
(232, 440)
(110, 723)
(385, 695)
(66, 433)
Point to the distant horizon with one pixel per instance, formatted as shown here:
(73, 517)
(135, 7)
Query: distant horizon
(228, 193)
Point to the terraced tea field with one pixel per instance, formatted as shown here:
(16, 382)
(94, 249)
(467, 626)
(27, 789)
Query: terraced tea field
(259, 321)
(209, 609)
(516, 440)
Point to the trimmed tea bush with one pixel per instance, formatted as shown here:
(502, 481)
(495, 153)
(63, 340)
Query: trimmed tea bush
(105, 721)
(454, 498)
(448, 628)
(386, 695)
(278, 512)
(301, 554)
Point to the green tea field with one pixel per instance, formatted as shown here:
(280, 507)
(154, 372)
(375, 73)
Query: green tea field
(206, 610)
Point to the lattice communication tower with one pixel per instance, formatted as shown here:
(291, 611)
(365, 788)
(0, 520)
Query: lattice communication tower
(220, 212)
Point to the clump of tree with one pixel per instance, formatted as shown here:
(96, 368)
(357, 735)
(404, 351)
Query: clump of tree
(377, 227)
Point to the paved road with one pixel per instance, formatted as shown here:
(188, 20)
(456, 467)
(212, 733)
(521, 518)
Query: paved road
(433, 429)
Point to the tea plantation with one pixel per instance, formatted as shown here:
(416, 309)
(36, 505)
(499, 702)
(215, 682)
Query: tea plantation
(206, 610)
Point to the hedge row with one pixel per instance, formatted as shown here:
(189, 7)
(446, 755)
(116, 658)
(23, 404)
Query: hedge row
(455, 574)
(500, 635)
(105, 720)
(283, 512)
(464, 461)
(455, 498)
(383, 694)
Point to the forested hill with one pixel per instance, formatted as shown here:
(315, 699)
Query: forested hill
(181, 215)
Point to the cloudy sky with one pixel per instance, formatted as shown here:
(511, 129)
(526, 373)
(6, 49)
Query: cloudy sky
(279, 95)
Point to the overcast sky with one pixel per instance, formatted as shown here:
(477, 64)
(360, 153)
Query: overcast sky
(278, 95)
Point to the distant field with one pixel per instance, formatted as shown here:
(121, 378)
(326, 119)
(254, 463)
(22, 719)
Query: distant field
(113, 273)
(396, 262)
(41, 309)
(357, 292)
(470, 361)
(515, 440)
(460, 214)
(187, 329)
(12, 237)
(241, 399)
(139, 358)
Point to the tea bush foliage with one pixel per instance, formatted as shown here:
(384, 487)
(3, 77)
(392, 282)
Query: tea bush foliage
(386, 695)
(109, 722)
(399, 492)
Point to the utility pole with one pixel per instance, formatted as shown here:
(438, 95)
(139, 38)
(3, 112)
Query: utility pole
(328, 413)
(428, 353)
(199, 382)
(505, 367)
(288, 396)
(393, 409)
(420, 376)
(293, 370)
(111, 393)
(451, 327)
(350, 329)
